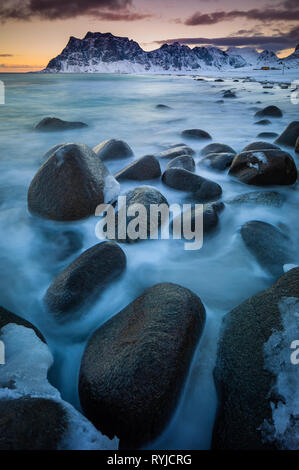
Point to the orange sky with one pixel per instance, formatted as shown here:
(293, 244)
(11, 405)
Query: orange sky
(29, 45)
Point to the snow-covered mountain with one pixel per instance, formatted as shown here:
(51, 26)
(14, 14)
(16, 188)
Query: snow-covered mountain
(293, 59)
(106, 53)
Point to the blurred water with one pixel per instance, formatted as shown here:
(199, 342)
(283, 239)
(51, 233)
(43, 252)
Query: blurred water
(223, 273)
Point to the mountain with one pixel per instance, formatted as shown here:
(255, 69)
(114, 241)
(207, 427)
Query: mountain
(293, 59)
(106, 53)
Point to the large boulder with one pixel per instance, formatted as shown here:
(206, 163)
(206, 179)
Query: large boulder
(269, 111)
(113, 149)
(71, 184)
(31, 424)
(177, 151)
(216, 148)
(256, 382)
(184, 180)
(146, 196)
(260, 145)
(218, 161)
(196, 134)
(269, 245)
(52, 124)
(185, 161)
(290, 135)
(7, 317)
(134, 366)
(264, 168)
(85, 278)
(146, 168)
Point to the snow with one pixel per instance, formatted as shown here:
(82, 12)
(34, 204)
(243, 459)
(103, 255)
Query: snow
(284, 429)
(25, 372)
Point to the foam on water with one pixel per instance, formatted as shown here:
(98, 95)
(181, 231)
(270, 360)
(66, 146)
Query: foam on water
(222, 274)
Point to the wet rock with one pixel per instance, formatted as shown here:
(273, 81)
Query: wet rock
(145, 168)
(263, 198)
(218, 161)
(264, 168)
(263, 122)
(260, 146)
(219, 80)
(229, 94)
(269, 245)
(185, 161)
(162, 106)
(245, 374)
(290, 135)
(177, 151)
(7, 317)
(85, 278)
(184, 180)
(113, 149)
(71, 184)
(52, 124)
(135, 365)
(31, 424)
(297, 146)
(196, 134)
(216, 148)
(270, 111)
(267, 135)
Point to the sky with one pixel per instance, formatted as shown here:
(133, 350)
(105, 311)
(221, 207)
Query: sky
(34, 31)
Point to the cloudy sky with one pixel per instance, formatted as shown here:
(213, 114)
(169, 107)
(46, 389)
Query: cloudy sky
(34, 31)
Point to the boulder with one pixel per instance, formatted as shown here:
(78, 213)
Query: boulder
(31, 424)
(196, 134)
(260, 145)
(52, 124)
(269, 245)
(290, 135)
(256, 382)
(113, 149)
(162, 106)
(267, 135)
(262, 198)
(146, 168)
(7, 317)
(71, 184)
(177, 151)
(263, 122)
(85, 278)
(216, 148)
(184, 180)
(297, 146)
(134, 366)
(264, 168)
(269, 111)
(145, 196)
(229, 94)
(218, 161)
(185, 161)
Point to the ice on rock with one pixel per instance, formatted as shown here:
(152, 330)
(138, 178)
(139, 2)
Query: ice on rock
(284, 428)
(27, 361)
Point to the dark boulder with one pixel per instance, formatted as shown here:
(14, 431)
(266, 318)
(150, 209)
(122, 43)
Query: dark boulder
(216, 148)
(264, 168)
(7, 317)
(31, 424)
(260, 145)
(185, 161)
(184, 180)
(51, 124)
(71, 184)
(85, 278)
(269, 245)
(177, 151)
(263, 122)
(297, 146)
(270, 111)
(218, 161)
(134, 366)
(113, 149)
(162, 106)
(267, 135)
(196, 134)
(290, 135)
(229, 94)
(146, 168)
(252, 352)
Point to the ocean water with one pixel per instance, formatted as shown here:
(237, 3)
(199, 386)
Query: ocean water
(222, 274)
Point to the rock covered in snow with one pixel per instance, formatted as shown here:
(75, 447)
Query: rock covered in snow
(71, 184)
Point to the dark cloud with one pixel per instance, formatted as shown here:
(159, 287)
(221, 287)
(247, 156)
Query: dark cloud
(113, 10)
(290, 4)
(277, 42)
(268, 14)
